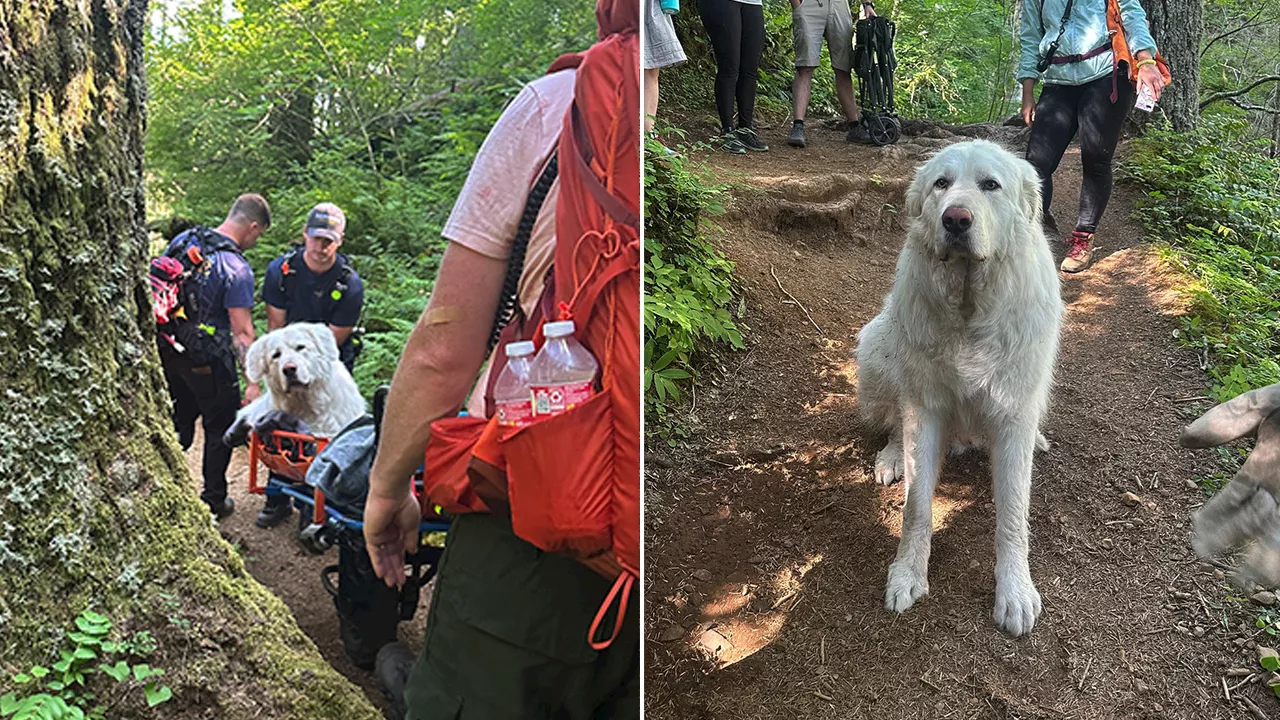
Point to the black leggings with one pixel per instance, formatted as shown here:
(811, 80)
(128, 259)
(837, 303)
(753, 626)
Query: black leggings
(1062, 111)
(737, 37)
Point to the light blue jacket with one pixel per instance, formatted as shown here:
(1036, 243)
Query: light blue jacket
(1086, 30)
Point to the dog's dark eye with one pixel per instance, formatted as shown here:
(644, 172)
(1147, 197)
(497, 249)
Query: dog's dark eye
(276, 356)
(301, 348)
(989, 185)
(941, 183)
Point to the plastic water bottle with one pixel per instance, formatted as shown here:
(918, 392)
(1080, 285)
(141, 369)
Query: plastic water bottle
(670, 7)
(560, 376)
(511, 398)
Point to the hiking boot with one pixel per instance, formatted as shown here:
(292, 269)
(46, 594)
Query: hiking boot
(796, 138)
(276, 510)
(730, 143)
(750, 140)
(858, 134)
(1079, 253)
(223, 509)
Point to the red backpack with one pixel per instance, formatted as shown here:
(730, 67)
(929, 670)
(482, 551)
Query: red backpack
(573, 480)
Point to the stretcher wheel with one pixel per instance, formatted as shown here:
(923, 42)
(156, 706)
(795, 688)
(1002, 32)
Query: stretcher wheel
(315, 539)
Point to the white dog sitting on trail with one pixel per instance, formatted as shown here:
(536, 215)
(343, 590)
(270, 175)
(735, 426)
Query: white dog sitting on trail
(963, 351)
(304, 378)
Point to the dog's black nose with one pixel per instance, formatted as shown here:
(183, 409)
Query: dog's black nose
(957, 220)
(290, 371)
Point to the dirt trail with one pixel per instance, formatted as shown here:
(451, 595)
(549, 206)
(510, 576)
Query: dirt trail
(276, 560)
(768, 541)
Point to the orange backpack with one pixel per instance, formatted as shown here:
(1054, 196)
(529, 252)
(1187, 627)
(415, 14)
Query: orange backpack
(572, 480)
(1120, 48)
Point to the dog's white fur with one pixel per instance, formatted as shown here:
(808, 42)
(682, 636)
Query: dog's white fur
(963, 351)
(322, 392)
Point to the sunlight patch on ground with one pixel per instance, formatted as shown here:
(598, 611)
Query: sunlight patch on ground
(948, 502)
(736, 635)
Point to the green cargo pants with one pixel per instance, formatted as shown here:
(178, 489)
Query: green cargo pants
(507, 635)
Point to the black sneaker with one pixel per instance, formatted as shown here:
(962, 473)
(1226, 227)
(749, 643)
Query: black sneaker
(274, 512)
(858, 134)
(730, 143)
(796, 138)
(223, 509)
(750, 140)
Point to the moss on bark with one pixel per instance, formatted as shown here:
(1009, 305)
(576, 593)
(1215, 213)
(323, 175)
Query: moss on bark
(97, 509)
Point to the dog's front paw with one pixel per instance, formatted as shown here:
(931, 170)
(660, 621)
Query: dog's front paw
(907, 583)
(890, 464)
(1017, 604)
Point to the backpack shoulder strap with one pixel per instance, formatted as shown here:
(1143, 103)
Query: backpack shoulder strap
(289, 267)
(509, 300)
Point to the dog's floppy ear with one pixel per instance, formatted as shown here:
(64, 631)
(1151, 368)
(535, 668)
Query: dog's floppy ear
(915, 195)
(1030, 200)
(324, 340)
(255, 361)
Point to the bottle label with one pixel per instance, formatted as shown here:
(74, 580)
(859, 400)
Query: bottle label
(514, 413)
(555, 399)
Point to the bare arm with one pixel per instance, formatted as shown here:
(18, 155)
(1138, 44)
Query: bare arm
(241, 339)
(275, 317)
(439, 364)
(340, 334)
(241, 331)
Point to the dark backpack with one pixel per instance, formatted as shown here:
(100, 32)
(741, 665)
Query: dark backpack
(350, 349)
(180, 320)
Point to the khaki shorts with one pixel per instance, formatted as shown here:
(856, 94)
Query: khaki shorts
(813, 20)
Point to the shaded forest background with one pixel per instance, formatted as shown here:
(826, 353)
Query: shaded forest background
(379, 107)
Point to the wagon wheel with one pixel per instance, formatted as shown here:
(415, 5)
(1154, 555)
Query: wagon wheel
(881, 129)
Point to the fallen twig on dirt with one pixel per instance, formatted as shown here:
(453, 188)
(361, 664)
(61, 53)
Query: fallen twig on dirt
(1084, 674)
(935, 688)
(1253, 709)
(1192, 398)
(1225, 690)
(824, 508)
(1240, 684)
(797, 302)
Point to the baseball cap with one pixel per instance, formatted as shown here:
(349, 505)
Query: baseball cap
(326, 220)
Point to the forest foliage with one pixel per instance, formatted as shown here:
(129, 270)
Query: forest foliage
(377, 105)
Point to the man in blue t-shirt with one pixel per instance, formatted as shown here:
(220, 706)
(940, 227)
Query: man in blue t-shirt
(201, 371)
(314, 283)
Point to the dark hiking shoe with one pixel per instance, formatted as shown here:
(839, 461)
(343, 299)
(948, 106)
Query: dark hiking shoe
(796, 138)
(1079, 252)
(392, 667)
(274, 512)
(730, 143)
(223, 509)
(750, 140)
(858, 134)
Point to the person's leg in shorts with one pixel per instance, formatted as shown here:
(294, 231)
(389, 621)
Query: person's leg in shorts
(839, 35)
(506, 635)
(808, 26)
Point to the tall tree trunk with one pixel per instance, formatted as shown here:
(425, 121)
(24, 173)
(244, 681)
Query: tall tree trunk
(292, 124)
(97, 509)
(1177, 26)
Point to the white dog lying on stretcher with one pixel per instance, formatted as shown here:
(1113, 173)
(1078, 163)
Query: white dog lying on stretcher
(304, 378)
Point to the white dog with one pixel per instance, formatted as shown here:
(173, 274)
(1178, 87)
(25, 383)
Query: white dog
(304, 378)
(963, 351)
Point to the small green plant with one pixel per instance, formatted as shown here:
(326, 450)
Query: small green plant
(688, 290)
(65, 691)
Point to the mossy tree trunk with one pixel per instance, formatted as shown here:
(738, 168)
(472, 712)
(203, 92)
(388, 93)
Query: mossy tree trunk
(1177, 26)
(97, 508)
